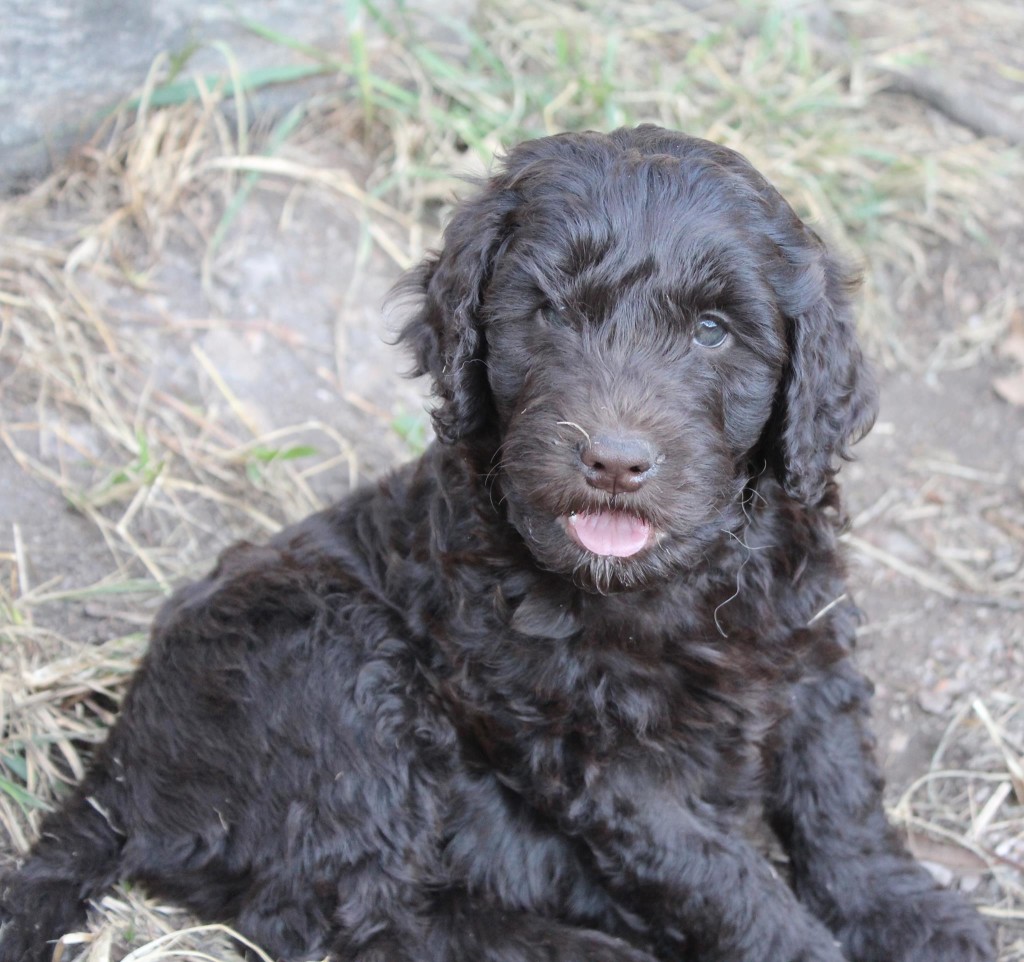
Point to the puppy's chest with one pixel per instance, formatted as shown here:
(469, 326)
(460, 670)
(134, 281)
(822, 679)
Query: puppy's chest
(549, 712)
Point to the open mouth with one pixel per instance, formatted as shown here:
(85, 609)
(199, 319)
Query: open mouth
(614, 534)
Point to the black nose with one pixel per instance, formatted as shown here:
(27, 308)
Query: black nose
(618, 464)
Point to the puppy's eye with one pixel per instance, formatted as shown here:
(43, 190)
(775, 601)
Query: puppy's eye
(549, 314)
(711, 330)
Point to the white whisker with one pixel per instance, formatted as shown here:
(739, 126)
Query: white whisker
(573, 424)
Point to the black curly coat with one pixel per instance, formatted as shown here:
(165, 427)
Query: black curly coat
(513, 702)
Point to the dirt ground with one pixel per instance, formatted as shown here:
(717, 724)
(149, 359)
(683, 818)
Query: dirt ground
(290, 338)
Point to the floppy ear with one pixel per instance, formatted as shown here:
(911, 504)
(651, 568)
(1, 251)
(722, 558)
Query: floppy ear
(445, 334)
(828, 396)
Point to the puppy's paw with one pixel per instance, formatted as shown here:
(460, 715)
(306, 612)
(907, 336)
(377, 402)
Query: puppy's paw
(33, 916)
(23, 941)
(934, 926)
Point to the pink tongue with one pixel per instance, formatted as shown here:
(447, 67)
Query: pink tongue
(611, 533)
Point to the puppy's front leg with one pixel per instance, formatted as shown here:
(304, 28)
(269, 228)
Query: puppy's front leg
(704, 891)
(849, 867)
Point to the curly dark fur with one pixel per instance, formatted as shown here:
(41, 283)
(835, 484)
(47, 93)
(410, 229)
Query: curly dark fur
(429, 724)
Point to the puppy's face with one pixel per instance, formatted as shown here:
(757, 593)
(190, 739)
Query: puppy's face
(635, 325)
(634, 351)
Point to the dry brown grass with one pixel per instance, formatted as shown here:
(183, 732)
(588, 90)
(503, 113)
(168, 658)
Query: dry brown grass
(965, 816)
(165, 481)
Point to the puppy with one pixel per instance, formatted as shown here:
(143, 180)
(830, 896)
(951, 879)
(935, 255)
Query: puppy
(513, 702)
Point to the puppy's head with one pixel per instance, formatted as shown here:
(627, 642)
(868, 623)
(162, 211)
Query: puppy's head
(637, 324)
